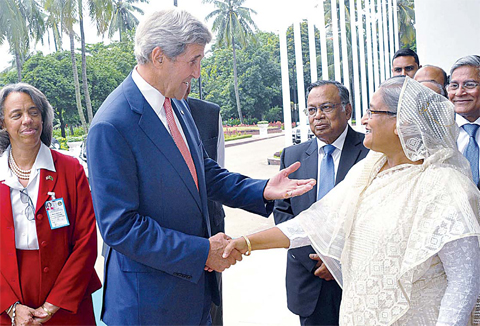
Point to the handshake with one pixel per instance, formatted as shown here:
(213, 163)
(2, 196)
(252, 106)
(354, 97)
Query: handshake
(217, 260)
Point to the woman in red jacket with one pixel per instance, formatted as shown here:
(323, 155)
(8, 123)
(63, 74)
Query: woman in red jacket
(48, 239)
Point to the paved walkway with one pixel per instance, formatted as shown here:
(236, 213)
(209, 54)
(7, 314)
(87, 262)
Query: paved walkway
(254, 289)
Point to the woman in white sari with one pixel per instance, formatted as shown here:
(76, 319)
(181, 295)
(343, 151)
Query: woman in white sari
(400, 234)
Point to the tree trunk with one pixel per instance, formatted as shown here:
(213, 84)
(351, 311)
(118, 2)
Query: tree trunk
(62, 123)
(120, 22)
(19, 66)
(76, 82)
(235, 81)
(86, 92)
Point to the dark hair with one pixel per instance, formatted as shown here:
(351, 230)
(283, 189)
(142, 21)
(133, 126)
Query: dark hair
(342, 90)
(42, 105)
(469, 60)
(406, 53)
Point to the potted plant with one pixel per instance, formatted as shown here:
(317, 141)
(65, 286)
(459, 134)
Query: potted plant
(263, 127)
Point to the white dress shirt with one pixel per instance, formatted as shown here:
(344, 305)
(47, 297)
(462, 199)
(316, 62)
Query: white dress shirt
(156, 101)
(463, 137)
(337, 153)
(25, 230)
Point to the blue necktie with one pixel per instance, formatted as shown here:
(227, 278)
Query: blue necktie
(471, 152)
(327, 172)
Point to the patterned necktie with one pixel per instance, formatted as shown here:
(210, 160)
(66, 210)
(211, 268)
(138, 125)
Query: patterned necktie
(327, 172)
(471, 152)
(178, 139)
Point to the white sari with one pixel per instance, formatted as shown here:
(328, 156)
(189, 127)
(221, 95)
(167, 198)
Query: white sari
(380, 233)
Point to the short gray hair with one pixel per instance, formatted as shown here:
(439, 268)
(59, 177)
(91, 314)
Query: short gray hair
(171, 30)
(469, 60)
(390, 91)
(42, 105)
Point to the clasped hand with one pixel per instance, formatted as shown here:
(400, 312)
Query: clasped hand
(215, 260)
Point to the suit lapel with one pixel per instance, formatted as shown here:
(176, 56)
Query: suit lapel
(310, 165)
(158, 134)
(350, 153)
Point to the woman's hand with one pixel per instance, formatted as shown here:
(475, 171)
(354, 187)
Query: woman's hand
(239, 244)
(25, 315)
(47, 310)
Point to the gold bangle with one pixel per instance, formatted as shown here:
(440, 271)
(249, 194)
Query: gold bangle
(49, 313)
(249, 245)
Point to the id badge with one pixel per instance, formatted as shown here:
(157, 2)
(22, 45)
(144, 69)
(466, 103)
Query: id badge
(57, 214)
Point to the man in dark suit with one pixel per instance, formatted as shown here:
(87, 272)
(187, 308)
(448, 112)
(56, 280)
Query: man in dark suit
(209, 124)
(311, 291)
(150, 181)
(464, 93)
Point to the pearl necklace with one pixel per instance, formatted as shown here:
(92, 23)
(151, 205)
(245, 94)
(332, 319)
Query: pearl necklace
(21, 174)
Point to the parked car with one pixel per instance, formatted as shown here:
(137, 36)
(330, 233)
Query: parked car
(82, 155)
(296, 139)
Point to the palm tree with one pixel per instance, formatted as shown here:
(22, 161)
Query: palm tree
(233, 25)
(122, 17)
(20, 21)
(64, 12)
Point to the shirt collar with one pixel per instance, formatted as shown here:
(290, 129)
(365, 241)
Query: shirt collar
(151, 94)
(462, 121)
(44, 160)
(338, 143)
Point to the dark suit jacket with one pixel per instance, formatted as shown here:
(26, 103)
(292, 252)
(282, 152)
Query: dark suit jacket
(152, 215)
(303, 287)
(206, 116)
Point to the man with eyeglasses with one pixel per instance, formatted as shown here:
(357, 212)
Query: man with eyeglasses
(433, 77)
(312, 293)
(405, 63)
(464, 93)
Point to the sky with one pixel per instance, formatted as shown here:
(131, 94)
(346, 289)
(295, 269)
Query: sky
(271, 16)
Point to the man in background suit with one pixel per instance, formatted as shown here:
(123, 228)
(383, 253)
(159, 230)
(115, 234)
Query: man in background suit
(151, 179)
(464, 93)
(311, 291)
(209, 124)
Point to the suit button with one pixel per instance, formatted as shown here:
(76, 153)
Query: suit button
(12, 280)
(10, 254)
(44, 243)
(39, 217)
(46, 269)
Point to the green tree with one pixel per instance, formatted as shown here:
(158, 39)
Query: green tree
(406, 22)
(258, 75)
(65, 12)
(233, 25)
(20, 22)
(122, 18)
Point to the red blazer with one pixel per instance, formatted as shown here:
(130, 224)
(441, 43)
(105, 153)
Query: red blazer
(67, 254)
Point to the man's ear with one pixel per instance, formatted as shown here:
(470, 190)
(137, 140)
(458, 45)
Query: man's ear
(395, 131)
(157, 56)
(348, 111)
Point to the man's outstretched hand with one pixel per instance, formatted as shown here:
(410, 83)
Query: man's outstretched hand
(281, 187)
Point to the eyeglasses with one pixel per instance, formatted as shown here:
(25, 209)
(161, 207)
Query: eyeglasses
(25, 198)
(325, 108)
(370, 112)
(466, 85)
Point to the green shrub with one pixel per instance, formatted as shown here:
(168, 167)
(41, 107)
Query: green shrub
(263, 122)
(63, 143)
(235, 137)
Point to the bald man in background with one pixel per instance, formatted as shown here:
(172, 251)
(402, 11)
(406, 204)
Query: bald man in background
(434, 78)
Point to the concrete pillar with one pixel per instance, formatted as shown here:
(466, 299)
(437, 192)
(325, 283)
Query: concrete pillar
(446, 30)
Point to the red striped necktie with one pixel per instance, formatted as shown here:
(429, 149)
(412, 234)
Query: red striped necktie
(178, 139)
